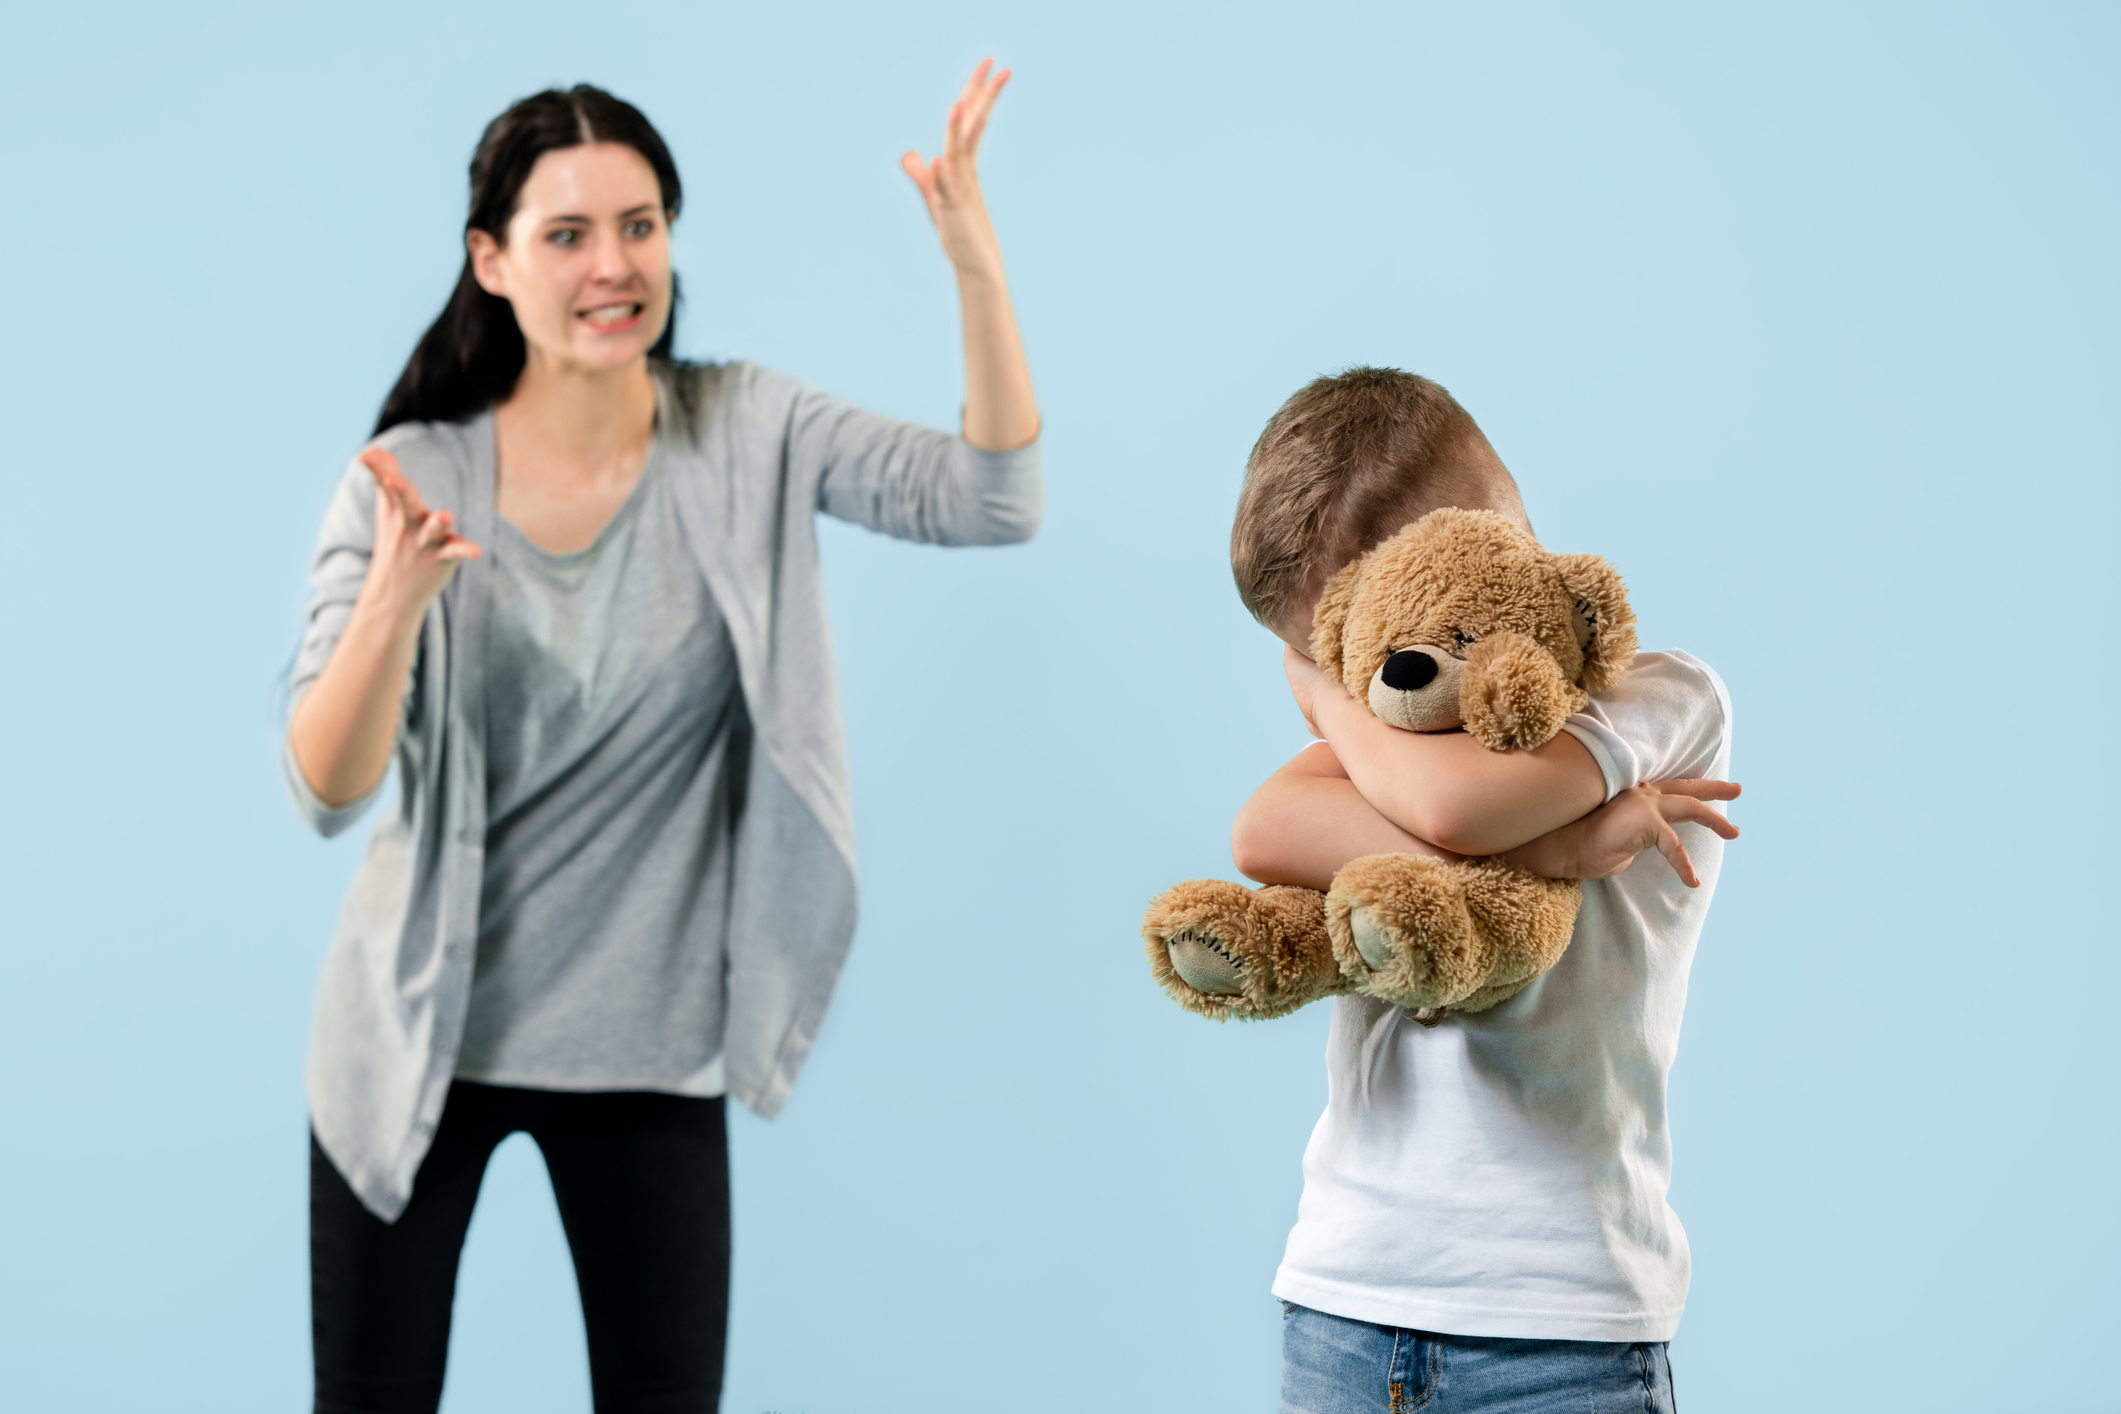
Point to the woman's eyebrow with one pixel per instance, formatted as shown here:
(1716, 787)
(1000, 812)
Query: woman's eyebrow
(644, 207)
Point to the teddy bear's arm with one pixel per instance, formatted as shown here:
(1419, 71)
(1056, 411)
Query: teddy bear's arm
(1445, 787)
(1308, 820)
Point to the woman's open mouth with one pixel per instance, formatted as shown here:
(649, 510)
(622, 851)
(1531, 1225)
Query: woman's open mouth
(612, 318)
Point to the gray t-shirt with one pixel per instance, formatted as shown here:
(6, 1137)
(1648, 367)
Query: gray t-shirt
(613, 721)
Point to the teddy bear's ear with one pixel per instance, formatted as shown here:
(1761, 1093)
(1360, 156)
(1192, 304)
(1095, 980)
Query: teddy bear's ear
(1513, 696)
(1330, 620)
(1605, 625)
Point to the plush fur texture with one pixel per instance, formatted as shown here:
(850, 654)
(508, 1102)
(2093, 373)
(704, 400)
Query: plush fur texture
(1461, 619)
(1537, 633)
(1434, 937)
(1273, 939)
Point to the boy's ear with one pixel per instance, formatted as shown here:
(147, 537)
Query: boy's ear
(1330, 620)
(1605, 625)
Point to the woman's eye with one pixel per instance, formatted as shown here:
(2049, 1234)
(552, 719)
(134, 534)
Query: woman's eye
(563, 236)
(637, 229)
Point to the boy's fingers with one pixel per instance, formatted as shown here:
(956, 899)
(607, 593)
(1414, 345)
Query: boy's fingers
(1676, 809)
(458, 548)
(1675, 855)
(1700, 789)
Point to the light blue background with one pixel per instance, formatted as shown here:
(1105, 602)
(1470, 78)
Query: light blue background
(1803, 315)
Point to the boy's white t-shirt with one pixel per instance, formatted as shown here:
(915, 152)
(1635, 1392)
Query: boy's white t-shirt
(1504, 1173)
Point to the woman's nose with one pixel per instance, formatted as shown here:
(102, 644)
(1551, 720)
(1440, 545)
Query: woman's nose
(611, 262)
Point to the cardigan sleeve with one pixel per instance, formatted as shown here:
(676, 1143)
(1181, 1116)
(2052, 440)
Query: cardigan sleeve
(899, 478)
(336, 574)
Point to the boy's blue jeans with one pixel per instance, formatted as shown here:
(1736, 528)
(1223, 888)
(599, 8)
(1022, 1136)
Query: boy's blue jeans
(1332, 1365)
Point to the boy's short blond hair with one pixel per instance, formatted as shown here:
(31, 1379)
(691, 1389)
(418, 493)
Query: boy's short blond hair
(1341, 466)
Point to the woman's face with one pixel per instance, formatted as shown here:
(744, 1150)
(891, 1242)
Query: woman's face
(587, 259)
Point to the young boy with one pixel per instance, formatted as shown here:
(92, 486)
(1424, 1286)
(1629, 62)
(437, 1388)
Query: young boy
(1483, 1223)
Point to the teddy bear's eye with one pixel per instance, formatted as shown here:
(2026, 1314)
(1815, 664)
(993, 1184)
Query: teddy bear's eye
(1461, 639)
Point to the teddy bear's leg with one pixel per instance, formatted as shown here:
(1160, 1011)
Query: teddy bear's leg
(1223, 950)
(1428, 934)
(1530, 918)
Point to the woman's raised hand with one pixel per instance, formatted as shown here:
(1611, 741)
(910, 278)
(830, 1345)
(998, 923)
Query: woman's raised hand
(950, 183)
(416, 550)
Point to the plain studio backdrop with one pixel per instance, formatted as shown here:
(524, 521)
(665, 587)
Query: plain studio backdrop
(1805, 317)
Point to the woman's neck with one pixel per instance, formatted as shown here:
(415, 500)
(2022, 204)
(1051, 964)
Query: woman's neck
(566, 423)
(572, 443)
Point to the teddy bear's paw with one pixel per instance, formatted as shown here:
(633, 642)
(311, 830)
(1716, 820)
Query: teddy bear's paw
(1204, 963)
(1380, 944)
(1402, 932)
(1223, 950)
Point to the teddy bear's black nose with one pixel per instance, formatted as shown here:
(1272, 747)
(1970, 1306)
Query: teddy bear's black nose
(1409, 669)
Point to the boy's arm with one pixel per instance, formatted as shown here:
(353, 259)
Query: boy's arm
(1445, 787)
(1308, 820)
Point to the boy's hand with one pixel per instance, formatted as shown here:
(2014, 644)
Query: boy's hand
(1606, 841)
(1306, 681)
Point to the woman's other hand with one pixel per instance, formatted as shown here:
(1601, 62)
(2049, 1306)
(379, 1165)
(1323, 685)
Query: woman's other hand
(416, 550)
(1000, 410)
(950, 183)
(345, 726)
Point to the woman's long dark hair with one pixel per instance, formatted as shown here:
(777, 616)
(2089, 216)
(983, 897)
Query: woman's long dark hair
(471, 357)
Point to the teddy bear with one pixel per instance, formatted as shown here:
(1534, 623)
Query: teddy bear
(1459, 621)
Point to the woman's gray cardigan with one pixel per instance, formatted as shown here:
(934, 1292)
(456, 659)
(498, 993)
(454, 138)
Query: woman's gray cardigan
(752, 456)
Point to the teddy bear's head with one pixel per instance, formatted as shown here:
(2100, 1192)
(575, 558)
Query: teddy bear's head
(1462, 619)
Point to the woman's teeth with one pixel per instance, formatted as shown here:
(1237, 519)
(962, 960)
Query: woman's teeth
(610, 313)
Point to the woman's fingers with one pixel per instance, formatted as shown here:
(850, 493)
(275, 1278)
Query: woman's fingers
(975, 117)
(381, 465)
(431, 530)
(968, 116)
(437, 529)
(939, 179)
(923, 177)
(974, 84)
(392, 482)
(383, 470)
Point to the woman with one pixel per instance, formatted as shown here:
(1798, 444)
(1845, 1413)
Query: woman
(618, 882)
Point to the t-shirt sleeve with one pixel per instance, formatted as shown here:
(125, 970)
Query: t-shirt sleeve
(1669, 718)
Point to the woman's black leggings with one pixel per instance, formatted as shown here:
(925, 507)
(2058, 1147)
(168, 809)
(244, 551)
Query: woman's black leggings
(643, 1187)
